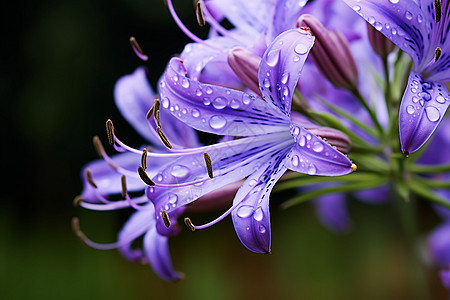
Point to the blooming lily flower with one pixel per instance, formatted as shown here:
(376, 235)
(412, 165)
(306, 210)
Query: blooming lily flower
(421, 29)
(271, 143)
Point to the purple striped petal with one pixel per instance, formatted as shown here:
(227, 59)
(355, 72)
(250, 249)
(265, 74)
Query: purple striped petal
(251, 218)
(281, 66)
(422, 108)
(157, 251)
(405, 23)
(231, 162)
(312, 155)
(216, 109)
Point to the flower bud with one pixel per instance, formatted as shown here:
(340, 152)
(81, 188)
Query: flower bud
(245, 64)
(380, 44)
(334, 137)
(331, 54)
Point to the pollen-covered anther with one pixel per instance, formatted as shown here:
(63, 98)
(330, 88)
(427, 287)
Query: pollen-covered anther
(354, 167)
(437, 10)
(208, 163)
(437, 54)
(137, 49)
(165, 217)
(90, 179)
(199, 12)
(77, 200)
(155, 107)
(144, 177)
(110, 132)
(189, 224)
(123, 181)
(163, 137)
(158, 118)
(144, 159)
(98, 146)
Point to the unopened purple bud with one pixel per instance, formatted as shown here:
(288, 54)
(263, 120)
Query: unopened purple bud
(331, 54)
(245, 64)
(380, 44)
(334, 137)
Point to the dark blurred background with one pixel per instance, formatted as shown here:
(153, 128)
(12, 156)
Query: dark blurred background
(59, 64)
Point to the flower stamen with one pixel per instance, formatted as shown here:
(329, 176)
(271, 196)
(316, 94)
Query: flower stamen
(144, 177)
(437, 10)
(90, 179)
(110, 131)
(163, 138)
(199, 12)
(144, 159)
(137, 49)
(208, 163)
(437, 54)
(166, 219)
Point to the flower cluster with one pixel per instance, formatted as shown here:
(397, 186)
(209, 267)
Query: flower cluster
(294, 92)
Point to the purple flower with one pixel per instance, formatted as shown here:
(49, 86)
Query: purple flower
(271, 143)
(419, 28)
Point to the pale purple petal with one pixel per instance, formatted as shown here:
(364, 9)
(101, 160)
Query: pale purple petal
(216, 109)
(332, 212)
(156, 248)
(439, 245)
(285, 16)
(281, 66)
(379, 195)
(405, 23)
(231, 162)
(251, 218)
(422, 109)
(312, 155)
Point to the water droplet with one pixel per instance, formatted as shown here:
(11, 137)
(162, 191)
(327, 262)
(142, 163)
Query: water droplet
(206, 101)
(394, 1)
(234, 104)
(261, 228)
(440, 99)
(425, 96)
(419, 18)
(308, 137)
(378, 26)
(198, 93)
(301, 48)
(371, 20)
(217, 122)
(410, 109)
(285, 78)
(294, 160)
(245, 211)
(159, 178)
(285, 91)
(172, 198)
(311, 169)
(302, 141)
(317, 147)
(266, 82)
(165, 102)
(296, 131)
(185, 83)
(272, 58)
(408, 15)
(209, 90)
(175, 78)
(432, 113)
(258, 215)
(252, 182)
(219, 103)
(413, 90)
(246, 99)
(296, 58)
(415, 99)
(356, 7)
(195, 113)
(179, 171)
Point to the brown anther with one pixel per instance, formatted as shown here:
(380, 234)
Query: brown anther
(77, 200)
(208, 163)
(163, 138)
(437, 10)
(199, 12)
(144, 159)
(110, 132)
(123, 180)
(157, 118)
(354, 167)
(189, 224)
(98, 146)
(137, 49)
(155, 107)
(165, 217)
(144, 177)
(437, 54)
(76, 229)
(89, 178)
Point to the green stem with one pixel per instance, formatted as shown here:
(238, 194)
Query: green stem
(371, 112)
(429, 169)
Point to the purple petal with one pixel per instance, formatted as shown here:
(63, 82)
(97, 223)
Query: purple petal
(439, 244)
(285, 16)
(157, 251)
(312, 155)
(281, 66)
(216, 109)
(405, 23)
(332, 212)
(251, 218)
(379, 195)
(422, 108)
(445, 278)
(136, 226)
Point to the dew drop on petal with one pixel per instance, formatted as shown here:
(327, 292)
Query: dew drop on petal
(410, 109)
(245, 211)
(394, 1)
(317, 147)
(234, 104)
(179, 171)
(206, 101)
(285, 91)
(296, 58)
(285, 78)
(294, 160)
(252, 182)
(266, 82)
(185, 83)
(217, 122)
(272, 58)
(198, 93)
(440, 99)
(246, 99)
(261, 228)
(301, 48)
(258, 215)
(209, 90)
(302, 141)
(432, 113)
(311, 169)
(415, 99)
(165, 102)
(195, 113)
(219, 103)
(172, 198)
(408, 15)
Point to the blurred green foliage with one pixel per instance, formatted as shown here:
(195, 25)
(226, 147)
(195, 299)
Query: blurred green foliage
(60, 60)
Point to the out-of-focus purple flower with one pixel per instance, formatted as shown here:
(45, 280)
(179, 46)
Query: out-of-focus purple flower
(332, 211)
(439, 244)
(445, 277)
(270, 142)
(419, 28)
